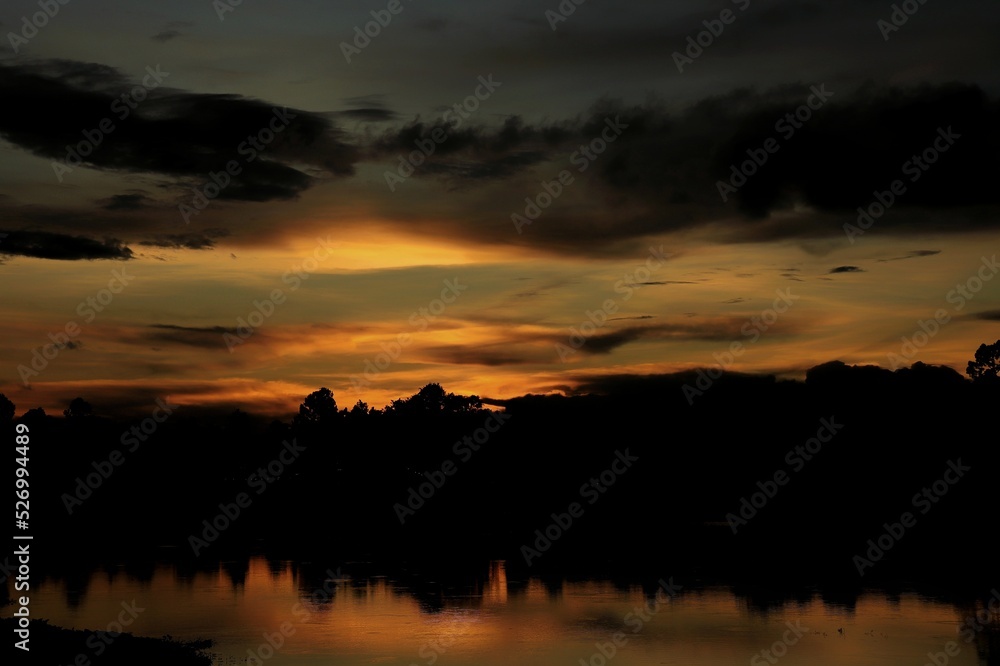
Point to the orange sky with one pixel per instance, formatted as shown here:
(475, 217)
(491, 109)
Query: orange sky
(494, 117)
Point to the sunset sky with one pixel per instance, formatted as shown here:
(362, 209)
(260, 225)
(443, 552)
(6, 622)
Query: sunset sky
(440, 270)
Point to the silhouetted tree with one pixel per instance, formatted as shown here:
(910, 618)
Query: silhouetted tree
(238, 422)
(319, 408)
(78, 409)
(432, 399)
(6, 409)
(34, 416)
(987, 363)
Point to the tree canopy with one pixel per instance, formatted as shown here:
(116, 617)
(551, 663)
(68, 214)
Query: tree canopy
(986, 364)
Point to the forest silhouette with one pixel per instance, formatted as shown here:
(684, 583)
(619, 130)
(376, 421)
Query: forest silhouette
(438, 477)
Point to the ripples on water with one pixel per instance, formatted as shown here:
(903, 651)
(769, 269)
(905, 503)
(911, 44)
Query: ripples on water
(337, 619)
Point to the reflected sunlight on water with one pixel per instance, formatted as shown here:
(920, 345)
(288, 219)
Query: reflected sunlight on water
(377, 620)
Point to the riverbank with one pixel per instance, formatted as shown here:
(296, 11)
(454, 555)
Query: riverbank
(55, 645)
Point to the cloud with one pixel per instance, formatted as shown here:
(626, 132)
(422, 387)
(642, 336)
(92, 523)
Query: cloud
(479, 356)
(468, 152)
(659, 176)
(845, 269)
(718, 329)
(178, 134)
(47, 245)
(165, 36)
(205, 337)
(914, 254)
(662, 173)
(653, 384)
(188, 241)
(663, 282)
(370, 114)
(987, 315)
(135, 201)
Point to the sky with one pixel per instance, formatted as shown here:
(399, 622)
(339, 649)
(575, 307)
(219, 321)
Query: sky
(232, 205)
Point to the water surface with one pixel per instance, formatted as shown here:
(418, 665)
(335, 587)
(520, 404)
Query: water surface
(341, 619)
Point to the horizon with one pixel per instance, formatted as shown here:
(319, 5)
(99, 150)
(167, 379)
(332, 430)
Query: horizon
(239, 204)
(696, 383)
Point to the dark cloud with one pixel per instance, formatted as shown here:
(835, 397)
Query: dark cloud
(914, 255)
(819, 163)
(655, 384)
(47, 245)
(711, 330)
(541, 347)
(479, 356)
(370, 114)
(987, 315)
(845, 269)
(661, 174)
(368, 108)
(134, 201)
(174, 133)
(188, 241)
(206, 337)
(166, 35)
(468, 152)
(663, 282)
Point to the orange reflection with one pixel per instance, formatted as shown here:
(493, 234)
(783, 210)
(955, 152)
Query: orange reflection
(376, 620)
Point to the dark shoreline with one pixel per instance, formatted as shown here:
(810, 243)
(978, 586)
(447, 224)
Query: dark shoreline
(56, 645)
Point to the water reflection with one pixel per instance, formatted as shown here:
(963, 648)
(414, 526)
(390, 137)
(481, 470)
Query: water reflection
(346, 614)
